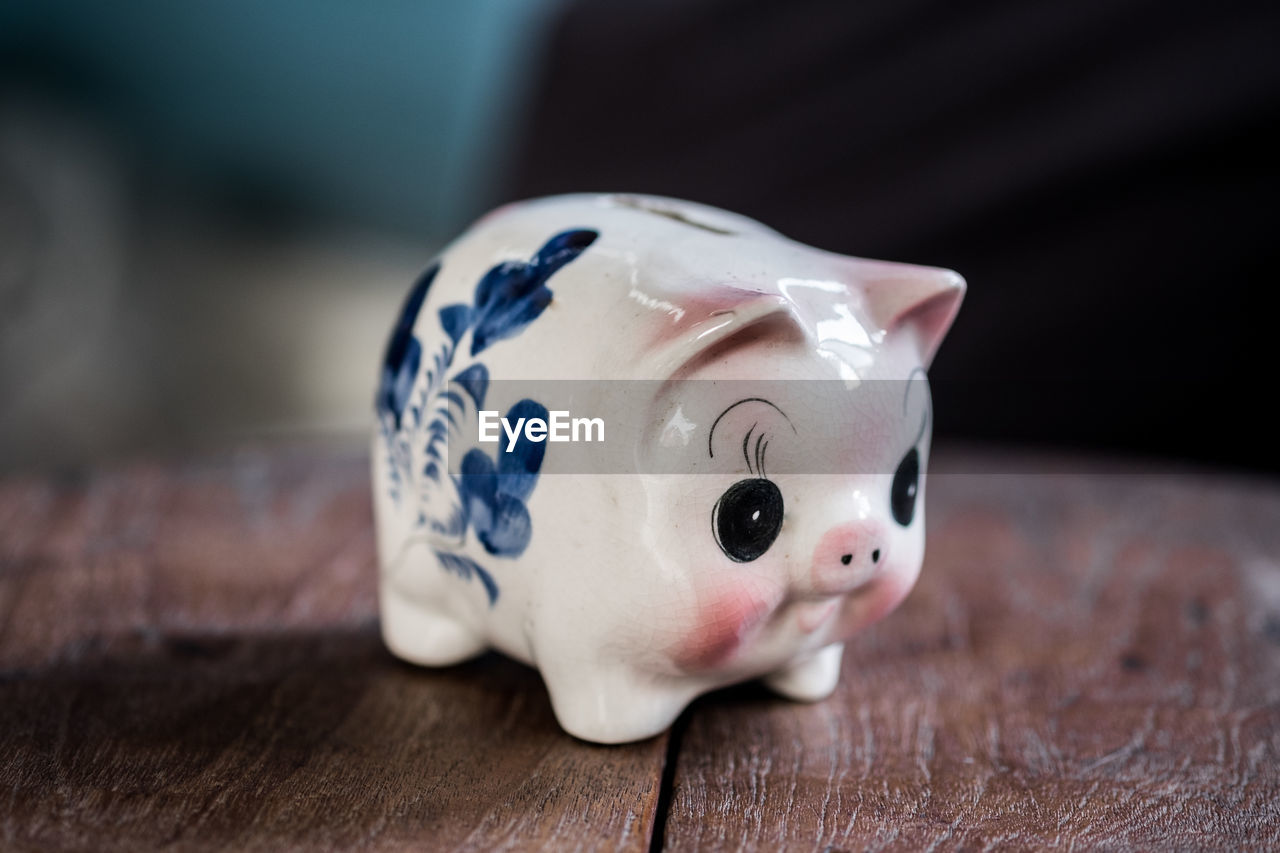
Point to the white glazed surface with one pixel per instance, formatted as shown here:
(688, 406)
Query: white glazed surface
(622, 597)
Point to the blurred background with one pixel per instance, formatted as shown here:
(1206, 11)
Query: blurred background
(210, 212)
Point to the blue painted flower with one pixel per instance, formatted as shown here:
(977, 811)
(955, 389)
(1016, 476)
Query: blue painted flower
(493, 496)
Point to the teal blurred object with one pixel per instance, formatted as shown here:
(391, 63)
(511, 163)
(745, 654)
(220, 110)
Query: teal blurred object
(394, 113)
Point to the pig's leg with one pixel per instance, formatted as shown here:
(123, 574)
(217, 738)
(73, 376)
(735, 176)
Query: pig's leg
(811, 678)
(611, 704)
(424, 612)
(424, 634)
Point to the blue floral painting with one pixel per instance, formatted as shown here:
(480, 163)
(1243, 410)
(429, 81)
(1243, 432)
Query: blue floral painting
(489, 498)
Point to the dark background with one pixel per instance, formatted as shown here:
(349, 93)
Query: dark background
(1103, 173)
(207, 216)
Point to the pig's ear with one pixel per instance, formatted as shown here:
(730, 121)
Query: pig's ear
(924, 302)
(687, 341)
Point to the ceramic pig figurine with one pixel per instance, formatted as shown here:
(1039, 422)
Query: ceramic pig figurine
(750, 526)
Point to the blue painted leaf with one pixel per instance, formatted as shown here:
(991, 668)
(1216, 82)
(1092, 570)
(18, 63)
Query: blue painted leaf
(397, 381)
(403, 355)
(455, 319)
(512, 294)
(477, 475)
(509, 319)
(490, 586)
(518, 470)
(475, 381)
(478, 488)
(509, 529)
(503, 280)
(563, 248)
(466, 568)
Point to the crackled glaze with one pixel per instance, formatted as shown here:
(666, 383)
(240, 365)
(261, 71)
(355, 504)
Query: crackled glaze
(635, 592)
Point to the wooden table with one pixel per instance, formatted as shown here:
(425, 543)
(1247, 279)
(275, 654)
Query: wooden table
(189, 659)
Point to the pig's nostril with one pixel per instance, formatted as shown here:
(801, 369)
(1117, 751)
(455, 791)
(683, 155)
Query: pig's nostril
(875, 556)
(846, 559)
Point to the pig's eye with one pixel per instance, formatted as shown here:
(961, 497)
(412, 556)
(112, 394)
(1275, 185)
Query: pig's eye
(747, 519)
(906, 482)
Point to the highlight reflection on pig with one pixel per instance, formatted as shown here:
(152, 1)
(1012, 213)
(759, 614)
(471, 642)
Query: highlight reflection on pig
(766, 523)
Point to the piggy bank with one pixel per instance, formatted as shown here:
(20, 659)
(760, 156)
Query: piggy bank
(753, 493)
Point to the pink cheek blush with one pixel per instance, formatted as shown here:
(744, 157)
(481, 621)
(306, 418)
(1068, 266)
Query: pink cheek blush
(725, 619)
(875, 601)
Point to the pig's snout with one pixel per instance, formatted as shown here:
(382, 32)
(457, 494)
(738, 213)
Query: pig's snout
(848, 556)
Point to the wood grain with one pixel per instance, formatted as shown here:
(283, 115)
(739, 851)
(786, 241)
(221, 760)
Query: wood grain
(1089, 661)
(189, 659)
